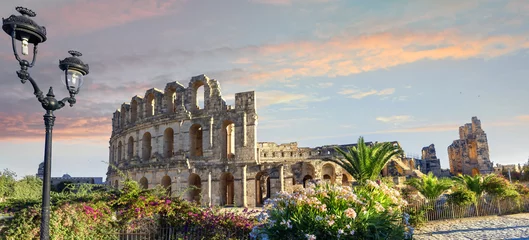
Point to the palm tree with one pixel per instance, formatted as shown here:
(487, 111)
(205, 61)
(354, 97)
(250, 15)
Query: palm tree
(365, 162)
(430, 186)
(477, 184)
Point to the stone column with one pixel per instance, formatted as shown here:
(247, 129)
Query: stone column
(211, 121)
(244, 193)
(244, 135)
(209, 189)
(281, 178)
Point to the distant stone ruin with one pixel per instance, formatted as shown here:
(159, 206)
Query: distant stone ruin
(470, 153)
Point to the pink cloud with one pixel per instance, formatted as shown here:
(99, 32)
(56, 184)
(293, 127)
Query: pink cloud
(81, 16)
(343, 56)
(30, 127)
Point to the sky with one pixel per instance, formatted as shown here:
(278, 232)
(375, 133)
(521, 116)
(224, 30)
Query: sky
(324, 71)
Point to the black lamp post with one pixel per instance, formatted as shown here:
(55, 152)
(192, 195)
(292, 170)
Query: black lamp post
(25, 30)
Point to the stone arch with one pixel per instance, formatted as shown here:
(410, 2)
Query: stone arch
(262, 188)
(199, 94)
(144, 183)
(306, 180)
(346, 180)
(170, 98)
(146, 148)
(308, 172)
(168, 142)
(196, 140)
(195, 183)
(166, 183)
(130, 148)
(228, 139)
(475, 171)
(227, 191)
(150, 105)
(328, 173)
(133, 111)
(120, 153)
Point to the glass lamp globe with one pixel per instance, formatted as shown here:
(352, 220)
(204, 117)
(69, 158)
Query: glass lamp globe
(73, 80)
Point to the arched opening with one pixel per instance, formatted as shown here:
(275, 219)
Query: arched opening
(328, 173)
(146, 146)
(228, 140)
(144, 183)
(120, 147)
(345, 180)
(306, 180)
(168, 141)
(195, 136)
(116, 184)
(170, 96)
(133, 111)
(150, 105)
(199, 95)
(166, 183)
(262, 188)
(123, 116)
(195, 184)
(227, 183)
(130, 148)
(475, 171)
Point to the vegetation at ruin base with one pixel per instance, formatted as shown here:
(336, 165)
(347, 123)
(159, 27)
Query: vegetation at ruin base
(373, 208)
(365, 162)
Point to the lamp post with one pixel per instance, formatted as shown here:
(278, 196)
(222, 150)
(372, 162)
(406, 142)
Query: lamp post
(25, 30)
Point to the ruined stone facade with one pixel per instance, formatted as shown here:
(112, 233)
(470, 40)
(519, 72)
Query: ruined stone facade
(165, 138)
(470, 153)
(429, 161)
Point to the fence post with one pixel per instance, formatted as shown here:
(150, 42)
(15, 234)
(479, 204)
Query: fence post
(453, 213)
(499, 207)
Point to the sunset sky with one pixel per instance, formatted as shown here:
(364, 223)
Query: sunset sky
(324, 71)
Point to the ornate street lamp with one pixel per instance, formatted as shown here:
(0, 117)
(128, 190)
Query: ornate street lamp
(25, 30)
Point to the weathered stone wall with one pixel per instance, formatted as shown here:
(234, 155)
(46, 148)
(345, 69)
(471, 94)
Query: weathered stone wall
(470, 153)
(429, 161)
(165, 138)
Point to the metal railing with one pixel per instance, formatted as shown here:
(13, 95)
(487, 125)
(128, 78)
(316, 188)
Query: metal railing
(441, 208)
(185, 233)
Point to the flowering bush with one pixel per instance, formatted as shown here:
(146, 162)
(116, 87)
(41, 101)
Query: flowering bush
(69, 221)
(325, 211)
(101, 215)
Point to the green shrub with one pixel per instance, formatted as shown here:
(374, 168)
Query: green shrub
(324, 211)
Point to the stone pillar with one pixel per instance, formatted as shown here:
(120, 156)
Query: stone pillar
(209, 189)
(281, 178)
(244, 135)
(244, 193)
(211, 121)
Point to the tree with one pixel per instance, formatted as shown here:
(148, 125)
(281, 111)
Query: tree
(7, 184)
(365, 162)
(29, 187)
(430, 186)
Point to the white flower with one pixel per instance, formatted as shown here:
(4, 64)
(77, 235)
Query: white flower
(310, 237)
(318, 218)
(340, 231)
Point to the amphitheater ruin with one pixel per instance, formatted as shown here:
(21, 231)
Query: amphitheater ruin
(211, 152)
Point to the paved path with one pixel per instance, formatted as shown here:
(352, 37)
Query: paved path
(513, 227)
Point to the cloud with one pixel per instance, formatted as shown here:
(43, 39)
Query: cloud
(288, 2)
(83, 16)
(284, 123)
(394, 119)
(359, 94)
(325, 84)
(30, 127)
(273, 97)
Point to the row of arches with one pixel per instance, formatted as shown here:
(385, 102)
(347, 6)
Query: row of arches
(226, 190)
(152, 105)
(196, 143)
